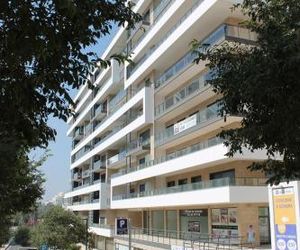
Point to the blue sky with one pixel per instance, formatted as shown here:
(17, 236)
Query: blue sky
(57, 166)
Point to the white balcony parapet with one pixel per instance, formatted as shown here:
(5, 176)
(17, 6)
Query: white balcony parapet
(201, 157)
(146, 117)
(110, 119)
(225, 190)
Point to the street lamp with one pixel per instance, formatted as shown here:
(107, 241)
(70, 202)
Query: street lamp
(86, 232)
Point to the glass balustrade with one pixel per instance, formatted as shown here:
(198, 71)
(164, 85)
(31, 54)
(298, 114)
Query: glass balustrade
(116, 158)
(158, 12)
(193, 122)
(185, 151)
(98, 165)
(222, 182)
(129, 119)
(222, 33)
(131, 68)
(192, 88)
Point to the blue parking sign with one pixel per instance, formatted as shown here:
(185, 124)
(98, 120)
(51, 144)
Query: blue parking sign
(121, 226)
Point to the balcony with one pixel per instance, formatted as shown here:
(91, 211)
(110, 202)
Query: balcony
(196, 157)
(78, 134)
(133, 115)
(203, 122)
(218, 191)
(117, 160)
(183, 95)
(224, 32)
(100, 112)
(114, 130)
(133, 67)
(138, 147)
(188, 150)
(85, 173)
(158, 12)
(76, 176)
(98, 165)
(91, 203)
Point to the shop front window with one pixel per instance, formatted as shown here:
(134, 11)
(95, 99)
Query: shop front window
(193, 223)
(224, 223)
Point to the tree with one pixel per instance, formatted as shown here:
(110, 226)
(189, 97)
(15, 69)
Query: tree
(22, 236)
(21, 185)
(262, 83)
(59, 229)
(42, 56)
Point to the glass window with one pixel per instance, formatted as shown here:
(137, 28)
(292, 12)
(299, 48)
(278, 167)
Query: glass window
(142, 161)
(224, 174)
(196, 179)
(182, 181)
(158, 221)
(172, 222)
(142, 188)
(170, 183)
(194, 220)
(169, 102)
(192, 87)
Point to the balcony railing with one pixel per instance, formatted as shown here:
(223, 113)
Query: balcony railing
(78, 132)
(193, 122)
(222, 182)
(135, 145)
(192, 89)
(98, 165)
(159, 10)
(222, 33)
(132, 68)
(118, 157)
(119, 98)
(100, 110)
(85, 173)
(188, 150)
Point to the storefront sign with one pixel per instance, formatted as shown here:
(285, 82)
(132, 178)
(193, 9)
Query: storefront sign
(194, 212)
(185, 124)
(285, 218)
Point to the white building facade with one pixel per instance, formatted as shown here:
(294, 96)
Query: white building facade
(145, 142)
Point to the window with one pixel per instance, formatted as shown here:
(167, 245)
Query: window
(142, 188)
(132, 190)
(196, 179)
(170, 183)
(224, 174)
(142, 161)
(145, 135)
(182, 181)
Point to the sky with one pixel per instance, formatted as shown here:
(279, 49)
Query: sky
(57, 167)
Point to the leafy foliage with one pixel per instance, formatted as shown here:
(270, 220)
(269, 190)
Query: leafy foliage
(22, 236)
(42, 56)
(20, 186)
(262, 83)
(59, 229)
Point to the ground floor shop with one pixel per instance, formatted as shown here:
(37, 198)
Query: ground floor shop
(240, 222)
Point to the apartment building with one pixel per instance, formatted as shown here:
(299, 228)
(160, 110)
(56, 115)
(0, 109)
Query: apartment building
(145, 142)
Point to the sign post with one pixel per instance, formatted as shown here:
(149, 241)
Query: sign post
(285, 215)
(123, 227)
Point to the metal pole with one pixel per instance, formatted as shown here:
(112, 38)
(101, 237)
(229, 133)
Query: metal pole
(86, 234)
(129, 234)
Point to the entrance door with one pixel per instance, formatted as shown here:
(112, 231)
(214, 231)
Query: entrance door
(264, 225)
